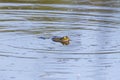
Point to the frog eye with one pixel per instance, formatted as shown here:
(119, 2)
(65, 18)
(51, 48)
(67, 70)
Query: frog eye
(64, 37)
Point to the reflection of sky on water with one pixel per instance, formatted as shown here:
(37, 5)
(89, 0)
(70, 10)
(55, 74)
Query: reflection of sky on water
(93, 52)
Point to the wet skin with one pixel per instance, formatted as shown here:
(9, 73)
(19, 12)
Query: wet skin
(65, 40)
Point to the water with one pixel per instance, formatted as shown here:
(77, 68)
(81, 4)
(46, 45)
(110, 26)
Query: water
(92, 25)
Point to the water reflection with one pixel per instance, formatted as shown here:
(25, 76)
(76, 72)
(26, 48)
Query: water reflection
(65, 43)
(100, 67)
(91, 54)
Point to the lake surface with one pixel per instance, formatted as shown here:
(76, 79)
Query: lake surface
(92, 25)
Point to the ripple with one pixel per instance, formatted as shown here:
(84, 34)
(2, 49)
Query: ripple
(13, 56)
(93, 27)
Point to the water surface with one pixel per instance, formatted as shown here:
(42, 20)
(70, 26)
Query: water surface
(92, 25)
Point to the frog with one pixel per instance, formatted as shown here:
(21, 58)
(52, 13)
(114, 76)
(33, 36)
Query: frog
(65, 40)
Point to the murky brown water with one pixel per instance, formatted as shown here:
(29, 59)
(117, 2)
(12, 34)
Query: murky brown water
(92, 25)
